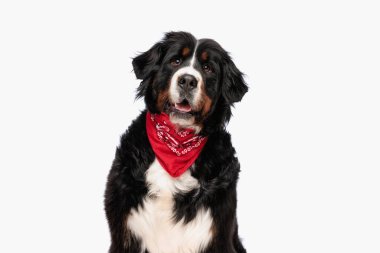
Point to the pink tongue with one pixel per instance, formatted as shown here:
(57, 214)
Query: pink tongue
(182, 108)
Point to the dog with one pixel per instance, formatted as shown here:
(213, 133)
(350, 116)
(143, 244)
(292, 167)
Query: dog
(172, 185)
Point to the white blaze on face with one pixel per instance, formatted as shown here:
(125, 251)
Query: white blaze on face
(190, 70)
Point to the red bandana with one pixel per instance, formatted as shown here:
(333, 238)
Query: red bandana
(175, 150)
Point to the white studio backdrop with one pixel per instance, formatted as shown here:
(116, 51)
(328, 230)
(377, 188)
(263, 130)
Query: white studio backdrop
(307, 133)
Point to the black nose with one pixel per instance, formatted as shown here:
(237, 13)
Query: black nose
(187, 82)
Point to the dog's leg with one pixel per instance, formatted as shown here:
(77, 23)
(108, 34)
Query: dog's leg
(237, 242)
(119, 199)
(226, 237)
(233, 245)
(121, 239)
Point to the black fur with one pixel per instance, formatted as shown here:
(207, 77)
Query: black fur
(216, 169)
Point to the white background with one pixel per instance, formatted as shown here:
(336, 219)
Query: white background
(307, 133)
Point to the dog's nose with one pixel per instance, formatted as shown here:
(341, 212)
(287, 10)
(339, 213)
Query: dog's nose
(187, 82)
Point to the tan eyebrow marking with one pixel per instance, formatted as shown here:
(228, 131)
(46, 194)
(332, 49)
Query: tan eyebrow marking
(204, 55)
(185, 51)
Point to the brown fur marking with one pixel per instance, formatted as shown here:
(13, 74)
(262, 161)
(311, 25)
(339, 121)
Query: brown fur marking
(207, 102)
(204, 55)
(185, 51)
(161, 100)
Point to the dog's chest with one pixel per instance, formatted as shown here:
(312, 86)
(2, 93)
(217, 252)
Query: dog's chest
(153, 222)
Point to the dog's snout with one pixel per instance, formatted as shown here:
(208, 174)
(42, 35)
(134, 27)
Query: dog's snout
(187, 82)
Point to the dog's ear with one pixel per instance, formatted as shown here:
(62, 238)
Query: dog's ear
(147, 63)
(234, 86)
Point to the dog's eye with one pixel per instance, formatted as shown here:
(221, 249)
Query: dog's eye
(207, 68)
(176, 61)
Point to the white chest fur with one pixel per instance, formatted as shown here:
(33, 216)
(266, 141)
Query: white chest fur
(153, 223)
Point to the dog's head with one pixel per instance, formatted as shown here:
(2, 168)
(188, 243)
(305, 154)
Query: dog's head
(194, 81)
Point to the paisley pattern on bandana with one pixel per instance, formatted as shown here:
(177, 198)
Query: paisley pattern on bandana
(175, 149)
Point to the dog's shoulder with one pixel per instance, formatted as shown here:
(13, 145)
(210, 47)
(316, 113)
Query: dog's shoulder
(218, 159)
(132, 159)
(134, 137)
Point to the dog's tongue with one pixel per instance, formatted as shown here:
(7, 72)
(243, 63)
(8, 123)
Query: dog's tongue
(182, 107)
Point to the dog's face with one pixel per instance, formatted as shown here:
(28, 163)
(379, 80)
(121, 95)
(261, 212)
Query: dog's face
(194, 81)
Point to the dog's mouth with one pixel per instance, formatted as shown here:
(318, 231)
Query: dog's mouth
(181, 109)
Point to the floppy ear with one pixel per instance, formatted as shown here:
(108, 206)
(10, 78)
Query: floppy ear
(146, 63)
(234, 86)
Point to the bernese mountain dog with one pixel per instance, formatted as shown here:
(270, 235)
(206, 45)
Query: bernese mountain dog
(172, 185)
